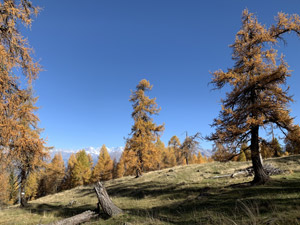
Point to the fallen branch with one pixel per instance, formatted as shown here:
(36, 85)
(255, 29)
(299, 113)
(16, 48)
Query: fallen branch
(78, 219)
(269, 168)
(222, 176)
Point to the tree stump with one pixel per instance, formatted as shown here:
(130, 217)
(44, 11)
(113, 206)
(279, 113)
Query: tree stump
(109, 208)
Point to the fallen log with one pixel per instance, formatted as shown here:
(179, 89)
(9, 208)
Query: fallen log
(78, 219)
(269, 168)
(249, 171)
(109, 208)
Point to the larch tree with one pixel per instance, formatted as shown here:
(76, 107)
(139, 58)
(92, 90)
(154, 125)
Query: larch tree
(104, 167)
(69, 180)
(169, 158)
(4, 187)
(292, 142)
(174, 143)
(140, 146)
(19, 137)
(54, 174)
(13, 187)
(32, 185)
(28, 151)
(82, 169)
(189, 147)
(120, 169)
(277, 149)
(221, 153)
(257, 98)
(161, 155)
(200, 158)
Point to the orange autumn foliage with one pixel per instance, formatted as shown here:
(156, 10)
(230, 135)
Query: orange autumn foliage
(140, 153)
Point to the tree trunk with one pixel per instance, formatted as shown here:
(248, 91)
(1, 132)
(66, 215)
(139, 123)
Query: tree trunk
(138, 173)
(260, 176)
(23, 200)
(104, 201)
(106, 204)
(78, 219)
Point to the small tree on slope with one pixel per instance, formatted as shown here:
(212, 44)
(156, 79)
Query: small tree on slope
(257, 98)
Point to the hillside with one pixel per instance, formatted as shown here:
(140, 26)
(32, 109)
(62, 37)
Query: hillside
(181, 195)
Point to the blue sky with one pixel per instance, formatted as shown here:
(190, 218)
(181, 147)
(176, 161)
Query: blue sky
(94, 52)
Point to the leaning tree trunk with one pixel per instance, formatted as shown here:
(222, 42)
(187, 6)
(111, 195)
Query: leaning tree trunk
(260, 175)
(105, 202)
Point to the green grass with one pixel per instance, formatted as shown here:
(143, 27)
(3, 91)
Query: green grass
(186, 195)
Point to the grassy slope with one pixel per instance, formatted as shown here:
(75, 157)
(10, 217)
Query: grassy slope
(186, 195)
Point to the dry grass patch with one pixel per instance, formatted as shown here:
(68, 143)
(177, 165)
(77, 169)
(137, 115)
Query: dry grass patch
(180, 195)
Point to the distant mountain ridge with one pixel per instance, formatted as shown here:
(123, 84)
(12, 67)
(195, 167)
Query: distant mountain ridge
(114, 152)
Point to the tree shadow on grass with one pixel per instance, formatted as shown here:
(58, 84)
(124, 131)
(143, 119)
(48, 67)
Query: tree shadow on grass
(154, 189)
(58, 210)
(238, 202)
(279, 194)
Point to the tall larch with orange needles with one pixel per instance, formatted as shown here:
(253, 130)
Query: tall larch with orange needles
(19, 134)
(140, 145)
(257, 98)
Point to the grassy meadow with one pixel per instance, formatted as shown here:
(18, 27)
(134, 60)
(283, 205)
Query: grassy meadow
(181, 195)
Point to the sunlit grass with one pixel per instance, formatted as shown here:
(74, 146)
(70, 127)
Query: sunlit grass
(181, 195)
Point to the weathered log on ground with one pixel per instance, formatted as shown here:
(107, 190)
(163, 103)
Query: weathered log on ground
(109, 208)
(221, 176)
(249, 171)
(78, 219)
(269, 169)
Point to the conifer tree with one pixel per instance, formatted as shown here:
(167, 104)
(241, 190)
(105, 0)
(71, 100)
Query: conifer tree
(55, 173)
(242, 157)
(277, 150)
(31, 186)
(200, 158)
(194, 159)
(257, 98)
(120, 170)
(174, 143)
(221, 153)
(13, 187)
(4, 187)
(144, 133)
(69, 181)
(189, 147)
(161, 155)
(292, 142)
(114, 170)
(246, 149)
(169, 158)
(128, 161)
(81, 171)
(103, 169)
(28, 151)
(265, 149)
(19, 137)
